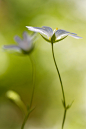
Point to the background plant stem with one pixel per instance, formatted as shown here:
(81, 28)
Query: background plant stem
(33, 81)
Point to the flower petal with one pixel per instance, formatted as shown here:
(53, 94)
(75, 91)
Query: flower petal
(26, 38)
(27, 43)
(12, 48)
(25, 35)
(49, 30)
(18, 39)
(61, 36)
(62, 33)
(60, 39)
(38, 29)
(74, 36)
(61, 30)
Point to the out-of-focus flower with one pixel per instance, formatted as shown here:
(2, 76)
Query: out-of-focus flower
(52, 36)
(25, 45)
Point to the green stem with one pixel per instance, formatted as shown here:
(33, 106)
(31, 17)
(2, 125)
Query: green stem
(64, 101)
(26, 117)
(64, 117)
(33, 80)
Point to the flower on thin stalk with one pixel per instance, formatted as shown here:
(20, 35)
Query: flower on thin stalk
(24, 46)
(52, 36)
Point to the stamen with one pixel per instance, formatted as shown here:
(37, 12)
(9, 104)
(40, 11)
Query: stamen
(56, 28)
(49, 38)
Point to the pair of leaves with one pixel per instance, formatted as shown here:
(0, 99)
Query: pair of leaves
(68, 106)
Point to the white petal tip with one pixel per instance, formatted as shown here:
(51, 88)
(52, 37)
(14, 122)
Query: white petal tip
(75, 36)
(4, 47)
(78, 37)
(26, 26)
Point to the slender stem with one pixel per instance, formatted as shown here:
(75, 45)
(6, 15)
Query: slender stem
(64, 101)
(26, 117)
(58, 75)
(33, 80)
(65, 111)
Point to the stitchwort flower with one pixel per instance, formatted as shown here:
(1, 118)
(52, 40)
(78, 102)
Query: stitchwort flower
(25, 45)
(52, 36)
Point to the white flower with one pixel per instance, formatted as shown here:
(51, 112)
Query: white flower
(25, 45)
(52, 36)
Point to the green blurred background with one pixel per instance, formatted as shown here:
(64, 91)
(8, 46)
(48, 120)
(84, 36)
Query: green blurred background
(16, 71)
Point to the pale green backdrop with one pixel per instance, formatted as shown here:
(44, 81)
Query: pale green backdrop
(16, 71)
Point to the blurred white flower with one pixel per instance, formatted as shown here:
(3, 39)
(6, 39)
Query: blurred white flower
(52, 36)
(24, 46)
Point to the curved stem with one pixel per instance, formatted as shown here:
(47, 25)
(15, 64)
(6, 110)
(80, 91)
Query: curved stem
(33, 80)
(64, 101)
(58, 75)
